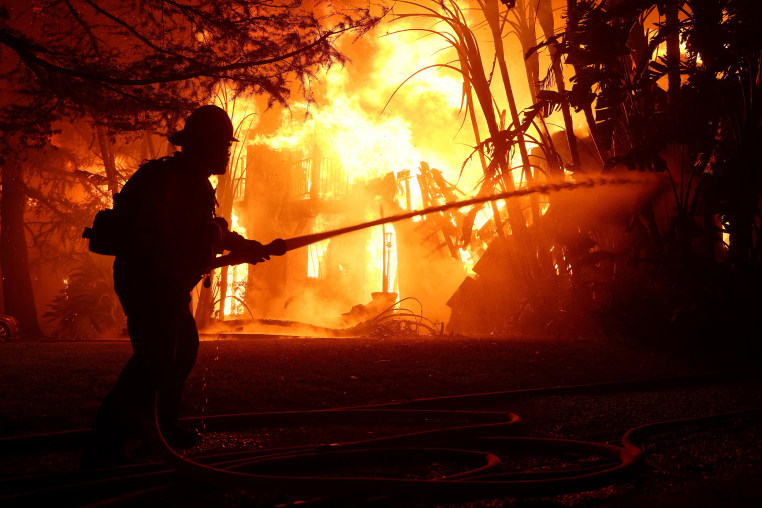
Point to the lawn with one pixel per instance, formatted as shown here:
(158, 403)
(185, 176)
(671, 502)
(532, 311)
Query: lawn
(57, 385)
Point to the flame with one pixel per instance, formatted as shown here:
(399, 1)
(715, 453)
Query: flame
(316, 252)
(367, 138)
(352, 125)
(377, 248)
(366, 148)
(468, 261)
(236, 282)
(378, 115)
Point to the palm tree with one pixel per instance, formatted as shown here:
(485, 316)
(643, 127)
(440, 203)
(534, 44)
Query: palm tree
(692, 116)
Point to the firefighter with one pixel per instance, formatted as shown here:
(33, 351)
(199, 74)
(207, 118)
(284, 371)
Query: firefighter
(171, 236)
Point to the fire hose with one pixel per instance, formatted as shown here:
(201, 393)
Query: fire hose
(481, 441)
(280, 246)
(486, 480)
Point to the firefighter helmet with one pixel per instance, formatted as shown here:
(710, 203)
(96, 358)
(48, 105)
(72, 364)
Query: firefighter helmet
(206, 124)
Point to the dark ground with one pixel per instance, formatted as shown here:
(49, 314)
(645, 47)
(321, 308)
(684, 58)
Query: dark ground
(51, 386)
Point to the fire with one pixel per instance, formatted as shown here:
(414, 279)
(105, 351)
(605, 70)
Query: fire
(396, 63)
(368, 138)
(316, 253)
(391, 117)
(236, 282)
(355, 126)
(382, 260)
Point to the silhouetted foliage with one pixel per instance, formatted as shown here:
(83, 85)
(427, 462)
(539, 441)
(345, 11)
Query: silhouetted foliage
(127, 67)
(692, 115)
(87, 306)
(123, 60)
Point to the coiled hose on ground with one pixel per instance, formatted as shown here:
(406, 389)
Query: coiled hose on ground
(475, 446)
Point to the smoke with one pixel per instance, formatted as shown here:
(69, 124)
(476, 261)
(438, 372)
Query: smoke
(364, 125)
(574, 272)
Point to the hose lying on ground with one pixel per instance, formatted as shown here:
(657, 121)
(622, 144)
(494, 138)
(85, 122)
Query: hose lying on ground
(477, 442)
(476, 483)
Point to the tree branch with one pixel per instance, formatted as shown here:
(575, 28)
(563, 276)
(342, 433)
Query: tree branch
(141, 37)
(22, 47)
(85, 26)
(39, 196)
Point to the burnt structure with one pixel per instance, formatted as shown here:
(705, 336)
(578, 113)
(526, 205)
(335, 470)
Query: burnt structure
(286, 194)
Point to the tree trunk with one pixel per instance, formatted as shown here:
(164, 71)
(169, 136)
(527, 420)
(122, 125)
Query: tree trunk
(571, 27)
(526, 14)
(109, 160)
(673, 52)
(14, 258)
(565, 109)
(475, 76)
(491, 12)
(492, 15)
(480, 150)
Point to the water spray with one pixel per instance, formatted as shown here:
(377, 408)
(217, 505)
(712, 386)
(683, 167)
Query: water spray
(281, 246)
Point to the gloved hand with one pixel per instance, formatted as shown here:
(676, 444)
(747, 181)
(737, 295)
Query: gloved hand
(253, 252)
(277, 247)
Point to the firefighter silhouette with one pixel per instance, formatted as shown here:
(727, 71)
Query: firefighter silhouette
(166, 212)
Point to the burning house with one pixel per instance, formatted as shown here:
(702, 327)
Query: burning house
(345, 159)
(342, 281)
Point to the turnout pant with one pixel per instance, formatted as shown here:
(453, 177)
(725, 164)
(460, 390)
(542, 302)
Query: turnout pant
(165, 345)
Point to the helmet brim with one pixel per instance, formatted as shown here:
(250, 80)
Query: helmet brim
(183, 138)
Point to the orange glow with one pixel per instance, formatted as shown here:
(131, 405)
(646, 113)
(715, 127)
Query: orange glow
(386, 117)
(316, 252)
(351, 125)
(236, 283)
(355, 129)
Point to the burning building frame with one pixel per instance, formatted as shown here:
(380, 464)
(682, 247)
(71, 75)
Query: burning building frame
(285, 193)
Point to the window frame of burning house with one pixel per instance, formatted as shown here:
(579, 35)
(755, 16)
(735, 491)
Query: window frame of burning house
(237, 279)
(304, 178)
(334, 181)
(329, 181)
(317, 260)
